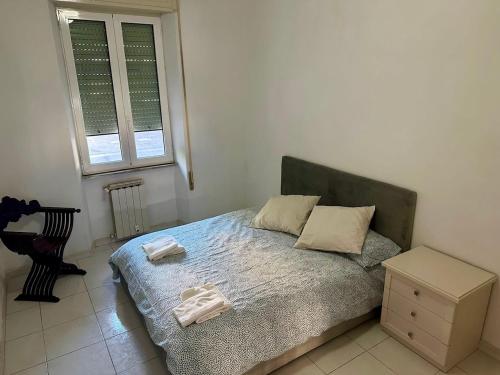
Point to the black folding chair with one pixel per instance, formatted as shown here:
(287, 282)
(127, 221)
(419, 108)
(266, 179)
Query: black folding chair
(45, 249)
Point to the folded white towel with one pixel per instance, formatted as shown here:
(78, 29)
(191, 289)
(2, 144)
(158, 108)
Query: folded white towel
(197, 306)
(158, 243)
(162, 247)
(214, 312)
(162, 253)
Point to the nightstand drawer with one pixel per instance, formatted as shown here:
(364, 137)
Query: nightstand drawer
(423, 297)
(421, 317)
(415, 337)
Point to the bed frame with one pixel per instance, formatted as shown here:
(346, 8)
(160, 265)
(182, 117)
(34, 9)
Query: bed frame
(394, 215)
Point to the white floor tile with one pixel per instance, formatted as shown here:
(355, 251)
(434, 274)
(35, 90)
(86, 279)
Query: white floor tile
(335, 353)
(116, 245)
(24, 353)
(102, 249)
(480, 363)
(103, 253)
(107, 296)
(67, 337)
(368, 334)
(91, 360)
(301, 366)
(119, 319)
(402, 360)
(23, 323)
(74, 258)
(15, 306)
(365, 364)
(37, 370)
(69, 285)
(154, 366)
(74, 337)
(67, 309)
(131, 348)
(98, 270)
(16, 283)
(453, 371)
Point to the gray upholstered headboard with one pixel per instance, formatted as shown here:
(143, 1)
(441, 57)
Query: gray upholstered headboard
(395, 206)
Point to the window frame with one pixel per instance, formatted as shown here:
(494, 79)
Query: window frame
(120, 89)
(118, 19)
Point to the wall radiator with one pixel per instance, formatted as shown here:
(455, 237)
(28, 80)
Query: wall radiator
(129, 214)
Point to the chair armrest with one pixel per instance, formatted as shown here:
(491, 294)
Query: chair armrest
(17, 234)
(58, 209)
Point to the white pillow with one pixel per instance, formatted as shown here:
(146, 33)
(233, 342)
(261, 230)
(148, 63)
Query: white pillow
(335, 228)
(285, 213)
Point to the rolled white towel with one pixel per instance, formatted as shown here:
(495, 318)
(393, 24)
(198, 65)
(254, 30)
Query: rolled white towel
(192, 292)
(197, 306)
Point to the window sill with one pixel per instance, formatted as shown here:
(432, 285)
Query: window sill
(127, 170)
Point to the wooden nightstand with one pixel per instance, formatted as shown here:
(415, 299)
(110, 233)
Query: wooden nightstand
(435, 304)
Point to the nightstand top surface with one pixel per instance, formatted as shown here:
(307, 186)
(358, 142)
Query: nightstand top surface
(447, 275)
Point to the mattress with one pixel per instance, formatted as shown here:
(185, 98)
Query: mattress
(281, 296)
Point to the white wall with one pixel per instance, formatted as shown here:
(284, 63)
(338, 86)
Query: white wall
(216, 35)
(402, 91)
(38, 158)
(3, 308)
(176, 108)
(405, 92)
(3, 293)
(217, 67)
(36, 142)
(159, 192)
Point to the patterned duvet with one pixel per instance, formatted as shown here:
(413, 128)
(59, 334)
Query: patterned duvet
(281, 296)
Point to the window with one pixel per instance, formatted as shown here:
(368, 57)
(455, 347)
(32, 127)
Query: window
(118, 90)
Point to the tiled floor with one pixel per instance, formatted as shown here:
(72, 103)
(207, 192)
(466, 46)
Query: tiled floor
(95, 330)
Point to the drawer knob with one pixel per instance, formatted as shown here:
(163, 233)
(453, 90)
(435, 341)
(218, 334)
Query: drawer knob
(413, 314)
(410, 335)
(416, 293)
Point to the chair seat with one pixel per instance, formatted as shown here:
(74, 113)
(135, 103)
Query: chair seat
(19, 242)
(47, 244)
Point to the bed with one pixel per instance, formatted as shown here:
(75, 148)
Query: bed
(285, 301)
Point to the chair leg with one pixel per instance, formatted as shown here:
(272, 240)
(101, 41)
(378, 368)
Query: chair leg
(70, 269)
(39, 284)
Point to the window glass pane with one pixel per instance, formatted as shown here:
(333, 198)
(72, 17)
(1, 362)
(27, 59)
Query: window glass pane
(93, 70)
(104, 148)
(149, 144)
(140, 56)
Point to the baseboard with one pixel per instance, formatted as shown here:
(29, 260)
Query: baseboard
(3, 314)
(163, 226)
(490, 349)
(102, 242)
(154, 228)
